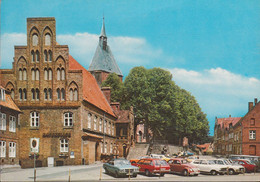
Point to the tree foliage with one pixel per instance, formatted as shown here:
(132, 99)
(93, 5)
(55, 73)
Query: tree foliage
(169, 111)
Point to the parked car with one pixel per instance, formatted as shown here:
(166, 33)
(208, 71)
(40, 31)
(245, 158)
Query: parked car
(153, 166)
(249, 166)
(134, 161)
(160, 156)
(231, 168)
(209, 166)
(181, 166)
(192, 158)
(120, 167)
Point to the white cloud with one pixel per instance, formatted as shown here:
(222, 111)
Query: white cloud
(218, 91)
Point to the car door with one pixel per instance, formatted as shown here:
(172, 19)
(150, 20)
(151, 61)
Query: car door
(204, 166)
(177, 166)
(140, 165)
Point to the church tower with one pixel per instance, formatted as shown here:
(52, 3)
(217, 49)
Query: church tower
(103, 62)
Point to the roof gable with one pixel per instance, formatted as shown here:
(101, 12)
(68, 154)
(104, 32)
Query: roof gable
(91, 90)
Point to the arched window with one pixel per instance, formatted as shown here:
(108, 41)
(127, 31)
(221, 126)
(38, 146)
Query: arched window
(47, 39)
(32, 56)
(58, 94)
(35, 40)
(24, 94)
(89, 120)
(45, 56)
(50, 94)
(45, 74)
(37, 56)
(62, 74)
(24, 74)
(50, 74)
(37, 74)
(33, 94)
(62, 94)
(75, 94)
(20, 74)
(37, 94)
(58, 74)
(45, 94)
(50, 56)
(71, 94)
(12, 93)
(33, 74)
(20, 94)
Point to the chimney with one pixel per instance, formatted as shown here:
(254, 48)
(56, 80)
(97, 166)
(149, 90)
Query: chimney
(250, 106)
(255, 101)
(107, 92)
(115, 106)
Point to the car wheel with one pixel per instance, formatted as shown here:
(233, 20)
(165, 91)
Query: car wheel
(147, 172)
(185, 172)
(231, 171)
(213, 172)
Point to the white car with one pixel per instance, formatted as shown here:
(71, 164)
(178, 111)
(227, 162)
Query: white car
(231, 168)
(209, 166)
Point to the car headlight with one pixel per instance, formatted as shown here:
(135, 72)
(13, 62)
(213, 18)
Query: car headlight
(191, 170)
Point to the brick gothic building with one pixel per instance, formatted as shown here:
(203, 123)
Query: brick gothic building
(66, 118)
(9, 121)
(239, 135)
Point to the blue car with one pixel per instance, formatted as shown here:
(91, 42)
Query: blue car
(120, 167)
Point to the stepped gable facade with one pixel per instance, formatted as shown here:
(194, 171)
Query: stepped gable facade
(9, 123)
(66, 118)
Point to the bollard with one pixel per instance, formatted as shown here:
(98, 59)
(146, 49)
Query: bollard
(34, 175)
(69, 175)
(100, 176)
(227, 170)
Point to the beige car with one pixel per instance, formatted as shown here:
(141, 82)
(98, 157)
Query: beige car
(231, 168)
(209, 167)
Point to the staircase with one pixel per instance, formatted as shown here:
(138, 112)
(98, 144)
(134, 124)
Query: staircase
(139, 150)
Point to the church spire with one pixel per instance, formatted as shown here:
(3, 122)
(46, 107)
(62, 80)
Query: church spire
(103, 31)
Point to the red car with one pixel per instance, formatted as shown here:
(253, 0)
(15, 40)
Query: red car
(181, 166)
(152, 166)
(249, 166)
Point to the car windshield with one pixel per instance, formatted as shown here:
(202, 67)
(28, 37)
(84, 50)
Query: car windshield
(211, 162)
(160, 162)
(184, 162)
(121, 162)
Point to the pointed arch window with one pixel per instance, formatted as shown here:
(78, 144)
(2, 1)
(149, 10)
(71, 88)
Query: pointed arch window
(24, 74)
(20, 94)
(62, 94)
(50, 74)
(58, 74)
(58, 94)
(37, 56)
(45, 94)
(71, 94)
(20, 74)
(50, 56)
(35, 40)
(33, 74)
(37, 94)
(33, 94)
(45, 56)
(37, 75)
(32, 56)
(45, 74)
(12, 93)
(47, 39)
(75, 94)
(89, 120)
(50, 94)
(62, 74)
(24, 94)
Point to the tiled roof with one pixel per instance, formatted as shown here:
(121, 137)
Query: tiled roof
(9, 103)
(224, 122)
(104, 60)
(91, 90)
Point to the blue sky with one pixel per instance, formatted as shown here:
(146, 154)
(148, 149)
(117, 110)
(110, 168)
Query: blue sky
(210, 47)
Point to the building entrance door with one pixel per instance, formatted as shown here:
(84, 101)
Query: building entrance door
(50, 161)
